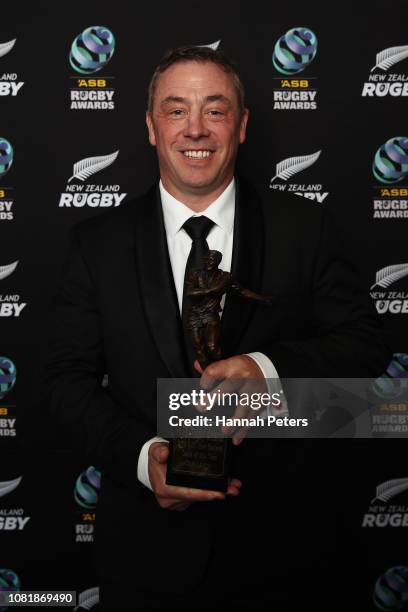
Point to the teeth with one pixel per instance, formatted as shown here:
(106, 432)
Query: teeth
(198, 154)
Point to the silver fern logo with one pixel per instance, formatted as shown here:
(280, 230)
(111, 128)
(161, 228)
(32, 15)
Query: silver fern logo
(290, 167)
(389, 57)
(87, 599)
(7, 47)
(9, 83)
(214, 46)
(78, 195)
(383, 80)
(90, 165)
(11, 519)
(8, 486)
(390, 274)
(394, 301)
(386, 511)
(390, 488)
(5, 271)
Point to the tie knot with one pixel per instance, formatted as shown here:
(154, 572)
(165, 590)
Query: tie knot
(198, 227)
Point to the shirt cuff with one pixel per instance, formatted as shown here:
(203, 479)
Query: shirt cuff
(273, 382)
(143, 462)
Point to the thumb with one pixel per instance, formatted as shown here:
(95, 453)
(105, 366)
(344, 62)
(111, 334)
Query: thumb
(160, 452)
(198, 367)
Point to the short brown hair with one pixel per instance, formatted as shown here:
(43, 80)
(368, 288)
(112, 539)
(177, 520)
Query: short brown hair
(197, 54)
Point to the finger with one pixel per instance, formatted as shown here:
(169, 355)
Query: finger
(198, 367)
(190, 494)
(229, 385)
(239, 435)
(241, 412)
(213, 373)
(234, 486)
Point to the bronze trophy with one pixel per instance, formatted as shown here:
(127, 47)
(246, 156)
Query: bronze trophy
(203, 463)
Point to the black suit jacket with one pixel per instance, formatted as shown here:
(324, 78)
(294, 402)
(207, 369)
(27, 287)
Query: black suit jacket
(116, 312)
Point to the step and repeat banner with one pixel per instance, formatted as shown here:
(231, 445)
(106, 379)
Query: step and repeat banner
(328, 99)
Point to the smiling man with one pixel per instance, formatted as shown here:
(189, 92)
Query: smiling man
(118, 311)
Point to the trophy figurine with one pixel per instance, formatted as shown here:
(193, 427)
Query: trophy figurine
(203, 462)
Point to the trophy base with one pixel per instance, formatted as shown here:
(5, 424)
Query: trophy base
(199, 463)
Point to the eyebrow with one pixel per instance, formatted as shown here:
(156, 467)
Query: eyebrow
(181, 100)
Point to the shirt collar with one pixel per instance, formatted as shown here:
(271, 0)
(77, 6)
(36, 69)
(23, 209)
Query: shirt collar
(221, 211)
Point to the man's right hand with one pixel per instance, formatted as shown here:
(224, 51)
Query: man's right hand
(179, 498)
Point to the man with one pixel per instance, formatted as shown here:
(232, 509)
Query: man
(117, 311)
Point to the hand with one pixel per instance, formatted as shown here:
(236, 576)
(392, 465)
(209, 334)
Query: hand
(179, 498)
(239, 374)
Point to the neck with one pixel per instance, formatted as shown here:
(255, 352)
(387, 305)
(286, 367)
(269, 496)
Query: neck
(198, 202)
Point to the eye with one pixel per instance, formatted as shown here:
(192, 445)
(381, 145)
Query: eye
(177, 112)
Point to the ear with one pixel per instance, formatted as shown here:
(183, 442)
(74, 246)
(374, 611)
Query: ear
(243, 125)
(150, 128)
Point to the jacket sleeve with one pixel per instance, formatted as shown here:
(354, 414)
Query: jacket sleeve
(345, 337)
(72, 365)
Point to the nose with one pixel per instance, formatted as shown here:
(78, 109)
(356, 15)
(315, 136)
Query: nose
(195, 126)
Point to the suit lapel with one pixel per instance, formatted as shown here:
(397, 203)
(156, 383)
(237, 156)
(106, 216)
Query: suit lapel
(246, 266)
(157, 289)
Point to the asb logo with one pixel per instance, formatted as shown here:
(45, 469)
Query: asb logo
(9, 83)
(6, 156)
(290, 166)
(394, 302)
(9, 583)
(87, 487)
(391, 160)
(394, 382)
(92, 50)
(294, 51)
(383, 81)
(391, 590)
(80, 195)
(8, 375)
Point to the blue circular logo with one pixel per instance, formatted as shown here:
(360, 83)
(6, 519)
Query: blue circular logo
(6, 156)
(8, 373)
(9, 582)
(390, 163)
(92, 50)
(394, 381)
(87, 487)
(294, 51)
(391, 590)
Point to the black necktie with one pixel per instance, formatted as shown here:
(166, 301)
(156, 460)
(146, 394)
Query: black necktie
(197, 228)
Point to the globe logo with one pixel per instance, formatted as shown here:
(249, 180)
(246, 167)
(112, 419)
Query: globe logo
(87, 487)
(6, 156)
(9, 582)
(391, 590)
(92, 50)
(8, 373)
(294, 51)
(394, 382)
(390, 163)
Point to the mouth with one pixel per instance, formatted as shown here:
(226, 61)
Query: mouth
(197, 153)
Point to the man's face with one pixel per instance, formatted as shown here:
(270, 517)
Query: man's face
(197, 127)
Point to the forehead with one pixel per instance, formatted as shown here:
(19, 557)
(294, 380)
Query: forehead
(194, 79)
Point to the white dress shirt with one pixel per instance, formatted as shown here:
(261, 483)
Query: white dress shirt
(219, 238)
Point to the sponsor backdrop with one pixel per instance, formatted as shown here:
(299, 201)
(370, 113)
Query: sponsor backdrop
(327, 92)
